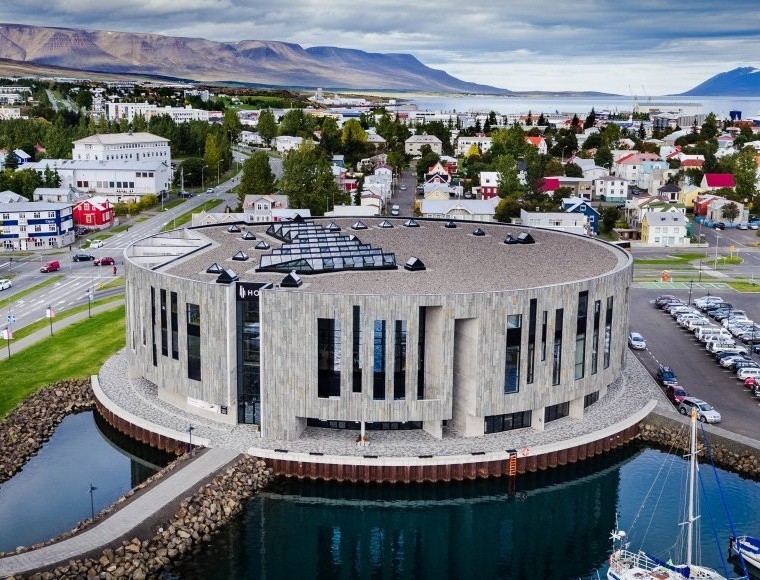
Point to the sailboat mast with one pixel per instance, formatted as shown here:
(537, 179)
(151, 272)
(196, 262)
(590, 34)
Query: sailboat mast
(692, 479)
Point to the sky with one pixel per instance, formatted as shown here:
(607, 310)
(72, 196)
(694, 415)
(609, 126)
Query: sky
(642, 47)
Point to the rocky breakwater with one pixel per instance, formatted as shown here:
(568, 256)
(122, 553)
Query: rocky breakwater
(728, 454)
(32, 422)
(196, 520)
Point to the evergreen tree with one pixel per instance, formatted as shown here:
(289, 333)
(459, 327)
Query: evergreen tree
(745, 172)
(308, 181)
(509, 183)
(258, 178)
(267, 127)
(590, 120)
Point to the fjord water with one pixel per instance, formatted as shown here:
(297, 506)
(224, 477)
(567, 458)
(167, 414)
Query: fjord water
(50, 495)
(555, 524)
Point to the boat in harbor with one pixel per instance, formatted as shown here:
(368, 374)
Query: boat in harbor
(625, 564)
(748, 548)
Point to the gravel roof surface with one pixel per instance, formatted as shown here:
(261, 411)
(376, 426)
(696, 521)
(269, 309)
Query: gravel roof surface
(456, 260)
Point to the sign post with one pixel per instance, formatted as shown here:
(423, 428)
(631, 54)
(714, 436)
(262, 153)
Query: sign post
(50, 313)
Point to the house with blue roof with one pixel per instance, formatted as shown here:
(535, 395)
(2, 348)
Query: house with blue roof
(580, 205)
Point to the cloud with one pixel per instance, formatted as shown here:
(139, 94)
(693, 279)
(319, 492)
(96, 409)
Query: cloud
(600, 44)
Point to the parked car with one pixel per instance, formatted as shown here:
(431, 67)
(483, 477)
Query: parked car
(82, 257)
(636, 341)
(745, 373)
(666, 375)
(744, 364)
(751, 383)
(676, 394)
(210, 190)
(720, 226)
(705, 412)
(96, 243)
(52, 266)
(663, 299)
(717, 306)
(5, 284)
(395, 210)
(728, 361)
(104, 261)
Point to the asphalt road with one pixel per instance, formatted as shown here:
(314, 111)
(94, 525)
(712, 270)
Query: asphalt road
(697, 370)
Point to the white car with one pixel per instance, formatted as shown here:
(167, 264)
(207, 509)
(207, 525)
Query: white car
(96, 244)
(636, 341)
(5, 284)
(746, 372)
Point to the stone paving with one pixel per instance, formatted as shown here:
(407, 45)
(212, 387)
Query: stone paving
(629, 394)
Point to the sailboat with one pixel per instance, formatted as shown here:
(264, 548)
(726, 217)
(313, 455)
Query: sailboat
(625, 564)
(748, 547)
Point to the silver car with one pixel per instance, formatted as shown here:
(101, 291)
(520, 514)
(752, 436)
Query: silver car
(705, 412)
(636, 341)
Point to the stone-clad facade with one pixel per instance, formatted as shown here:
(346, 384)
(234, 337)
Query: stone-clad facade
(460, 337)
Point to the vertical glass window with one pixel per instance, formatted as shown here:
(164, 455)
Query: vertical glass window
(164, 326)
(174, 324)
(378, 363)
(595, 337)
(555, 412)
(399, 361)
(249, 362)
(544, 320)
(608, 332)
(194, 342)
(328, 351)
(512, 366)
(153, 324)
(557, 358)
(580, 335)
(421, 355)
(357, 354)
(531, 340)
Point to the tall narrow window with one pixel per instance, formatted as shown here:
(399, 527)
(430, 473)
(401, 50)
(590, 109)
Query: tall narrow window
(557, 359)
(194, 342)
(356, 353)
(531, 340)
(512, 366)
(580, 335)
(608, 332)
(544, 321)
(328, 351)
(164, 326)
(174, 324)
(378, 355)
(399, 361)
(153, 324)
(595, 337)
(421, 355)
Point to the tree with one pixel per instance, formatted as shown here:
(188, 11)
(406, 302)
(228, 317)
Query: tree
(590, 120)
(507, 208)
(610, 216)
(573, 170)
(709, 129)
(232, 125)
(745, 172)
(258, 178)
(603, 157)
(509, 141)
(730, 212)
(509, 183)
(267, 127)
(354, 141)
(308, 180)
(329, 139)
(83, 99)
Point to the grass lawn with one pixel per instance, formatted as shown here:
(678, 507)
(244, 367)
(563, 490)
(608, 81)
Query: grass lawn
(674, 260)
(47, 282)
(121, 228)
(744, 286)
(173, 203)
(117, 282)
(76, 351)
(187, 216)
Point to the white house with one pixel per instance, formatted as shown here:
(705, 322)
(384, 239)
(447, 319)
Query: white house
(123, 146)
(9, 196)
(115, 111)
(260, 208)
(251, 138)
(287, 143)
(574, 223)
(665, 229)
(36, 224)
(480, 142)
(611, 189)
(353, 211)
(56, 194)
(414, 144)
(460, 209)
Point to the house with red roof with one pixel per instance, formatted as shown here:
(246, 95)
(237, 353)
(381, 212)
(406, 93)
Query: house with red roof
(94, 213)
(713, 181)
(539, 143)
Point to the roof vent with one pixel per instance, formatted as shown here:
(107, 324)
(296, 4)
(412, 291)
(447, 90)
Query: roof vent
(359, 226)
(214, 269)
(249, 235)
(333, 227)
(385, 224)
(262, 245)
(292, 280)
(298, 218)
(226, 277)
(233, 229)
(450, 224)
(510, 239)
(414, 265)
(525, 238)
(411, 223)
(478, 232)
(240, 257)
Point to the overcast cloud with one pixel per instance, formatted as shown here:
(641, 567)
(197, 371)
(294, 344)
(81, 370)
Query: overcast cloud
(654, 47)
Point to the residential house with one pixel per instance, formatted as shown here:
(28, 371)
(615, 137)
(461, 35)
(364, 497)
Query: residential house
(251, 139)
(629, 166)
(715, 212)
(489, 184)
(539, 143)
(636, 208)
(94, 213)
(653, 174)
(28, 225)
(353, 211)
(287, 143)
(8, 196)
(590, 169)
(413, 145)
(688, 195)
(574, 223)
(582, 206)
(123, 147)
(669, 192)
(664, 229)
(57, 194)
(481, 210)
(578, 186)
(548, 185)
(376, 141)
(260, 208)
(715, 181)
(610, 189)
(479, 142)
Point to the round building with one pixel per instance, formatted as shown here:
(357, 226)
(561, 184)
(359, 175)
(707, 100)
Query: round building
(391, 324)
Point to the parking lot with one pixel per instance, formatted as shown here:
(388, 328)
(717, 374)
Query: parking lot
(698, 372)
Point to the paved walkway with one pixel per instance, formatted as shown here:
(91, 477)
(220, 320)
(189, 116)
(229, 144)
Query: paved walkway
(43, 333)
(124, 520)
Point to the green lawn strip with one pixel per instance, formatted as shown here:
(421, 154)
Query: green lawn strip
(173, 203)
(141, 219)
(47, 282)
(77, 351)
(678, 259)
(116, 283)
(742, 286)
(121, 228)
(59, 315)
(187, 216)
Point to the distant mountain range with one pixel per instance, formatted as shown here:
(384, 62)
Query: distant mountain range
(267, 63)
(740, 82)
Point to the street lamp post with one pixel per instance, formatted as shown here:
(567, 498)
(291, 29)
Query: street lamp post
(92, 501)
(691, 284)
(190, 430)
(89, 303)
(717, 242)
(50, 316)
(202, 180)
(218, 165)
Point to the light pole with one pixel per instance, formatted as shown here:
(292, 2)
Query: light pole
(717, 242)
(218, 165)
(691, 284)
(50, 316)
(202, 168)
(89, 303)
(190, 430)
(92, 501)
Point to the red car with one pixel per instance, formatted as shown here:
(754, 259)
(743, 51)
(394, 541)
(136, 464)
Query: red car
(104, 261)
(676, 394)
(751, 382)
